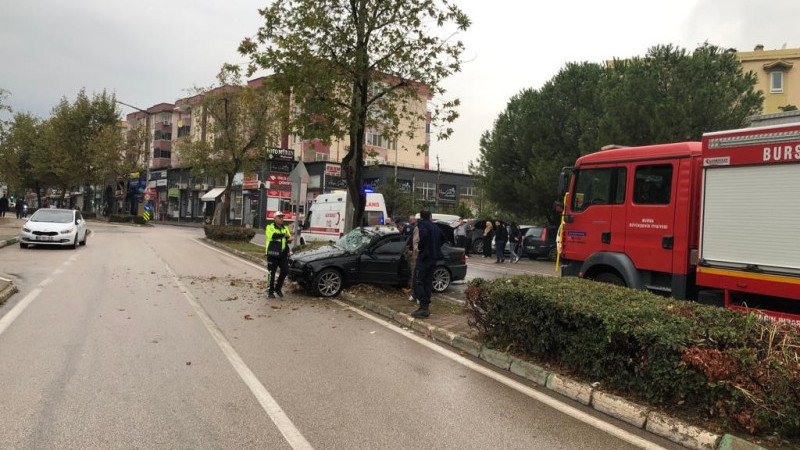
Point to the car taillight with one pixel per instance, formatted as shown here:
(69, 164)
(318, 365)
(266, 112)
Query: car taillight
(544, 235)
(463, 258)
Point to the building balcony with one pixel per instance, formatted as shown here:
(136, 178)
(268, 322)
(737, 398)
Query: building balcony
(160, 163)
(164, 127)
(163, 145)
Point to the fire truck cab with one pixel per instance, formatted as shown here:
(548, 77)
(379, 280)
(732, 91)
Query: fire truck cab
(717, 219)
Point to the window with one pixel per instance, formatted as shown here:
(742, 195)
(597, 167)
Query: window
(653, 185)
(427, 191)
(393, 247)
(599, 187)
(323, 157)
(776, 82)
(158, 153)
(184, 131)
(159, 135)
(468, 191)
(375, 139)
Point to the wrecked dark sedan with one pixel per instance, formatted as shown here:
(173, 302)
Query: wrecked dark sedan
(368, 255)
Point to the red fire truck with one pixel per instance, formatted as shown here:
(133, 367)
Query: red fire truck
(717, 220)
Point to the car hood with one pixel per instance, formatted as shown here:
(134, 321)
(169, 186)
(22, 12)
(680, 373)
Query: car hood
(328, 251)
(47, 226)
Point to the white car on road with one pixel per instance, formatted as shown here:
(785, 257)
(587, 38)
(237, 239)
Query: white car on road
(49, 226)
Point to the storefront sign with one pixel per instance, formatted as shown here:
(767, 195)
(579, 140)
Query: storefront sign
(278, 179)
(333, 170)
(250, 181)
(280, 166)
(281, 154)
(277, 193)
(335, 183)
(447, 192)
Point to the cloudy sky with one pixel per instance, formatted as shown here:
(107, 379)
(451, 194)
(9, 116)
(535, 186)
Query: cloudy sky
(148, 52)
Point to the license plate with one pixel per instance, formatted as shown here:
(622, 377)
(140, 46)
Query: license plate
(44, 238)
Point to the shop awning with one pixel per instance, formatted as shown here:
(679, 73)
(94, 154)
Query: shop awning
(212, 195)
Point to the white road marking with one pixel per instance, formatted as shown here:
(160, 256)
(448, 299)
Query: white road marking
(265, 399)
(15, 312)
(513, 384)
(12, 315)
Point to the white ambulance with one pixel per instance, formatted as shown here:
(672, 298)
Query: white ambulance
(326, 216)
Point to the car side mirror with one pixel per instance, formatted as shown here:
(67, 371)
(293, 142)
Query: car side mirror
(559, 207)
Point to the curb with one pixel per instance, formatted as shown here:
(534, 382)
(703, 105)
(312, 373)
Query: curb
(639, 416)
(6, 293)
(8, 242)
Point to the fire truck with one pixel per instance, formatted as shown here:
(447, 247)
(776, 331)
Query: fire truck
(717, 221)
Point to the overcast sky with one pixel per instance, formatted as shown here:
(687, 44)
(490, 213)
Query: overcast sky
(148, 52)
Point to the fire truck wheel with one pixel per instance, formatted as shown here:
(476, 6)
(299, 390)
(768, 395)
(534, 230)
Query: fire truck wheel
(610, 278)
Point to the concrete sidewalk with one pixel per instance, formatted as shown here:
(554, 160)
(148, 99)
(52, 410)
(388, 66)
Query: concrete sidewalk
(9, 232)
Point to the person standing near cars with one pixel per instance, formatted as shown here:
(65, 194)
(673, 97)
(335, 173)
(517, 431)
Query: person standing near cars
(3, 206)
(278, 236)
(488, 235)
(461, 234)
(20, 207)
(429, 248)
(501, 237)
(410, 233)
(515, 238)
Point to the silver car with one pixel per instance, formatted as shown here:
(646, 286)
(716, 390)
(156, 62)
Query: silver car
(49, 226)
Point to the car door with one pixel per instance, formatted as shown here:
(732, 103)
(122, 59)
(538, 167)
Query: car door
(380, 263)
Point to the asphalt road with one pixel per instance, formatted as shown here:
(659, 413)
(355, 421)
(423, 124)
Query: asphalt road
(147, 338)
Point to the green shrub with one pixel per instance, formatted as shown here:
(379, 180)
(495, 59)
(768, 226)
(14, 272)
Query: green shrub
(667, 351)
(89, 215)
(122, 218)
(229, 233)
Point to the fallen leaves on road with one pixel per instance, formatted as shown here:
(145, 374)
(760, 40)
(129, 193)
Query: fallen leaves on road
(248, 317)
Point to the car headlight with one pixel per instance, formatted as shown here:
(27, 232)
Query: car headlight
(68, 230)
(26, 229)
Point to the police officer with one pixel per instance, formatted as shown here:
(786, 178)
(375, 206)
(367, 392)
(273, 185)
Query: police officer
(278, 235)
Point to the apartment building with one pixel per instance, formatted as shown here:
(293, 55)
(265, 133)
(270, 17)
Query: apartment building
(176, 194)
(776, 79)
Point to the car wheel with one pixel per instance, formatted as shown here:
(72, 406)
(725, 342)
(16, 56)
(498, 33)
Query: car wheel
(328, 283)
(85, 238)
(75, 242)
(23, 245)
(477, 247)
(552, 254)
(610, 278)
(441, 279)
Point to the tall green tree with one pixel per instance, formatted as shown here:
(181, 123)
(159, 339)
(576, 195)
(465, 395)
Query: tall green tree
(22, 142)
(539, 133)
(241, 123)
(669, 95)
(358, 64)
(75, 131)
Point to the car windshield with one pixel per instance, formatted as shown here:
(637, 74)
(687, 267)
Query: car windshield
(355, 240)
(46, 215)
(535, 232)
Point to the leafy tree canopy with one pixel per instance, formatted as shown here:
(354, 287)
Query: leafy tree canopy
(668, 95)
(357, 64)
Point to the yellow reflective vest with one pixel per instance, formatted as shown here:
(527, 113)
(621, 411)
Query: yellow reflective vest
(276, 235)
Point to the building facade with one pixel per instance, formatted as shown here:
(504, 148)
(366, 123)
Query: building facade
(777, 80)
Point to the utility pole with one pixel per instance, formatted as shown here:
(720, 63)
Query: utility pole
(438, 181)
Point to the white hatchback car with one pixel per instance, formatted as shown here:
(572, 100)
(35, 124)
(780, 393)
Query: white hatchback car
(49, 226)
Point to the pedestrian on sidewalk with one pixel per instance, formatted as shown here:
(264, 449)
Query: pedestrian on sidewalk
(461, 233)
(3, 206)
(488, 235)
(468, 242)
(515, 239)
(429, 248)
(410, 252)
(500, 239)
(278, 236)
(20, 208)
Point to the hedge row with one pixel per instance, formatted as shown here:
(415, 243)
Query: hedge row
(739, 367)
(126, 218)
(229, 233)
